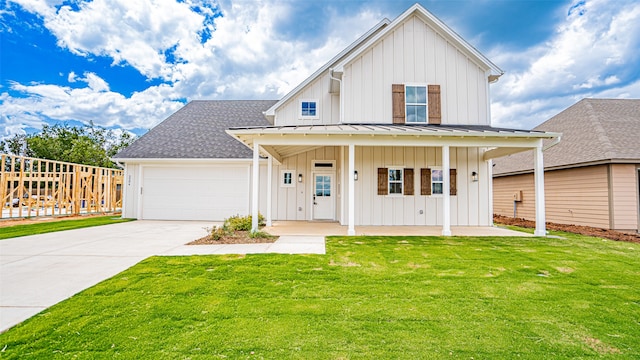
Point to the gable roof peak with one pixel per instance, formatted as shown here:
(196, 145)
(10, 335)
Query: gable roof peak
(433, 21)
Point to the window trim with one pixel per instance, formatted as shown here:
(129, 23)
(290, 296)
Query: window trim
(425, 104)
(282, 179)
(431, 182)
(401, 181)
(309, 117)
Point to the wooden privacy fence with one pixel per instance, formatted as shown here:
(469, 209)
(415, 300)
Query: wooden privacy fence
(40, 187)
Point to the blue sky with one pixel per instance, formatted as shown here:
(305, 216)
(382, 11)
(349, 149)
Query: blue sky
(129, 64)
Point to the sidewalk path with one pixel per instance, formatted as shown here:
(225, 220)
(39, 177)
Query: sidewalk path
(39, 271)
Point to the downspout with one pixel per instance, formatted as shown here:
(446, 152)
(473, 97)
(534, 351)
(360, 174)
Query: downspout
(341, 94)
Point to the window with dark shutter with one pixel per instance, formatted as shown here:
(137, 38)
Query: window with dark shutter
(431, 182)
(382, 181)
(453, 177)
(398, 103)
(435, 116)
(408, 182)
(425, 181)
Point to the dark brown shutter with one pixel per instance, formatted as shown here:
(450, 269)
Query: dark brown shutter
(433, 103)
(408, 182)
(453, 176)
(397, 91)
(383, 181)
(425, 181)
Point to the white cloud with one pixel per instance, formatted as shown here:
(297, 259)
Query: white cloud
(245, 57)
(590, 52)
(91, 103)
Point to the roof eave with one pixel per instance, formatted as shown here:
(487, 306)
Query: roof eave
(270, 113)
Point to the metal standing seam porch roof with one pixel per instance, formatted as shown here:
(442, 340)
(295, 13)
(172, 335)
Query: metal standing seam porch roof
(291, 140)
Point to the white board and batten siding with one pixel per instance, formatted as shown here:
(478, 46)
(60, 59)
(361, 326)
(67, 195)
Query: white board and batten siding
(328, 105)
(468, 208)
(296, 202)
(413, 53)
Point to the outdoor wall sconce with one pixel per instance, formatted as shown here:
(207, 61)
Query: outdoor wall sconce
(299, 178)
(355, 175)
(474, 176)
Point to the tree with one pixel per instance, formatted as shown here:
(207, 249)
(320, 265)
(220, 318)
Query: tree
(88, 145)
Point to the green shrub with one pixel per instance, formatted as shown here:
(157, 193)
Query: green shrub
(241, 223)
(217, 233)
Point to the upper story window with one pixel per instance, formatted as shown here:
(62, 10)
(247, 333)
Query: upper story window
(416, 104)
(309, 109)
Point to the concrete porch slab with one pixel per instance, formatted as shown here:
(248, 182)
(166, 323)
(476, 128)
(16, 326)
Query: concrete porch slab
(323, 228)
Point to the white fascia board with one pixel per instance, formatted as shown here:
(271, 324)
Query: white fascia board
(435, 22)
(272, 110)
(191, 161)
(293, 131)
(391, 140)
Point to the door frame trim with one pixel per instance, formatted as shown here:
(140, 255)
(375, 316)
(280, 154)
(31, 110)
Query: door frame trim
(333, 194)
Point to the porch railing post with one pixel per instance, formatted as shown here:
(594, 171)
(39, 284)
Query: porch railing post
(352, 190)
(446, 194)
(539, 189)
(255, 182)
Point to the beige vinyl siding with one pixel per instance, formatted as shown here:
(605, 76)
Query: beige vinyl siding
(328, 105)
(414, 53)
(503, 190)
(624, 196)
(573, 196)
(468, 208)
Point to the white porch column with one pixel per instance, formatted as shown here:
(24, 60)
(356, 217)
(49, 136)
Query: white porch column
(269, 176)
(255, 181)
(352, 190)
(539, 188)
(446, 193)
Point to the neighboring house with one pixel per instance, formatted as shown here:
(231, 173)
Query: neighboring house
(394, 130)
(592, 177)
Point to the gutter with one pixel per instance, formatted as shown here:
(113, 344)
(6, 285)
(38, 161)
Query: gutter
(554, 143)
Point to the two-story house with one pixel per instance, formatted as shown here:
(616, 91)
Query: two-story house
(394, 130)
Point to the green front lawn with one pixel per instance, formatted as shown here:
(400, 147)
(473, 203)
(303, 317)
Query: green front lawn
(57, 225)
(368, 298)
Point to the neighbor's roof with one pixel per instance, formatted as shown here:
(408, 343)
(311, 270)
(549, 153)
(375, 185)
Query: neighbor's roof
(197, 131)
(593, 131)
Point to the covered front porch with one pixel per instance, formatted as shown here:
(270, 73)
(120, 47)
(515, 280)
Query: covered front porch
(440, 144)
(326, 228)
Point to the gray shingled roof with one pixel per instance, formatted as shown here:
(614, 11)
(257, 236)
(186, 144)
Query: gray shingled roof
(593, 131)
(197, 131)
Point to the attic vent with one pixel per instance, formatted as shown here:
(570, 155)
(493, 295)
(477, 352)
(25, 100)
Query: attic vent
(323, 165)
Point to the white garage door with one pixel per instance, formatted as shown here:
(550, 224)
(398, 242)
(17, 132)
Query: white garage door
(195, 193)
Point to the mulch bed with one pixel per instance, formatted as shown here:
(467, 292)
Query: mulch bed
(576, 229)
(239, 237)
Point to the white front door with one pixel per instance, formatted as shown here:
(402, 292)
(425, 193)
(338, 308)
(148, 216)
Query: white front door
(324, 203)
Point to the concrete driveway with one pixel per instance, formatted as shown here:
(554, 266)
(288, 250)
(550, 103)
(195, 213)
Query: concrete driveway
(39, 271)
